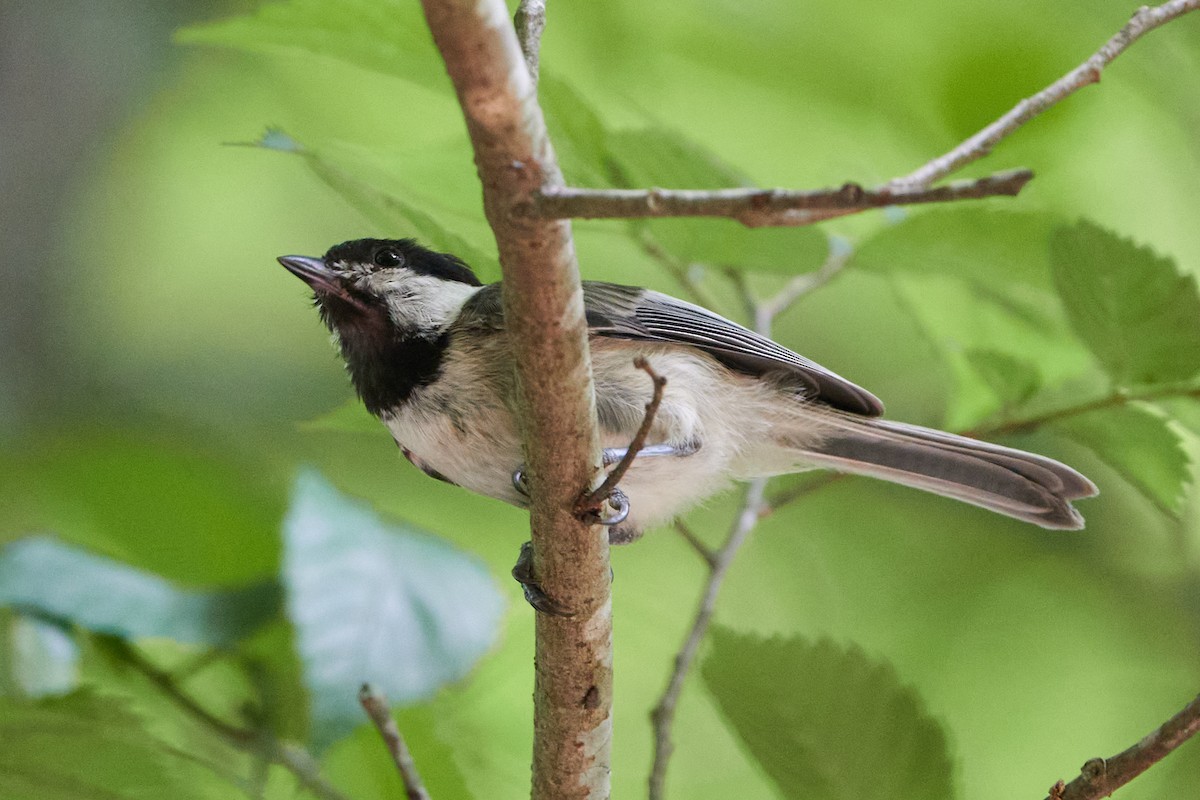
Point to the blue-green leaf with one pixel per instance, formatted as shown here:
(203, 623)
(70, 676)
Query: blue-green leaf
(379, 603)
(827, 722)
(1139, 316)
(43, 657)
(102, 595)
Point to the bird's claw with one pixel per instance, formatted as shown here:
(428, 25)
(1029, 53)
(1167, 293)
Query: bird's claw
(522, 572)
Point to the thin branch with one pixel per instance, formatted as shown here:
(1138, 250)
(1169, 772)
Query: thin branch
(663, 715)
(590, 503)
(799, 286)
(1101, 777)
(757, 208)
(376, 706)
(704, 551)
(547, 331)
(677, 269)
(1114, 400)
(1087, 73)
(530, 21)
(294, 759)
(753, 508)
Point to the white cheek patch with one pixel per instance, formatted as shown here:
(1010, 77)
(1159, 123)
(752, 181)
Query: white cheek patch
(420, 301)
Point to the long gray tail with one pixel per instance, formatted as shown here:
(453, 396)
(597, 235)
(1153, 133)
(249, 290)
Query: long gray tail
(1010, 482)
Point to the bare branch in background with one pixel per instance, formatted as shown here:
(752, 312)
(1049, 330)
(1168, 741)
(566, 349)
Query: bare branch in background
(754, 507)
(294, 759)
(544, 318)
(530, 21)
(376, 706)
(756, 208)
(1144, 20)
(663, 715)
(1101, 777)
(800, 285)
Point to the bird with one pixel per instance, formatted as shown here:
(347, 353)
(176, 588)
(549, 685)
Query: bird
(424, 342)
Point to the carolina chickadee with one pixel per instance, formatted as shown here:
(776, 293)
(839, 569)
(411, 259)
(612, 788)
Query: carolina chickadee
(425, 347)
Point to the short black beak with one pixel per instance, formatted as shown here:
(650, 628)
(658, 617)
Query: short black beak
(313, 272)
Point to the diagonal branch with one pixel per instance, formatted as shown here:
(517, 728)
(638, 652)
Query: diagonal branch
(756, 208)
(1101, 777)
(375, 704)
(754, 507)
(1144, 20)
(294, 759)
(663, 715)
(544, 319)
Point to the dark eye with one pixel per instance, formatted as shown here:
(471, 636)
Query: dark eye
(388, 257)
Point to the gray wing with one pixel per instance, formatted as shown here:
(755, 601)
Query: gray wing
(627, 312)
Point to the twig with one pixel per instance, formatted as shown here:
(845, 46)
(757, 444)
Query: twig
(530, 21)
(756, 208)
(294, 759)
(704, 551)
(753, 508)
(794, 493)
(591, 501)
(677, 269)
(1114, 400)
(663, 715)
(375, 704)
(799, 286)
(547, 331)
(1087, 73)
(1101, 777)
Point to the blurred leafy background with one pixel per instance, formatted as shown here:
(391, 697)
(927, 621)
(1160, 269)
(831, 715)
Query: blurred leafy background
(169, 404)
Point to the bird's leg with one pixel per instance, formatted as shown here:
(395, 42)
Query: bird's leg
(612, 455)
(617, 500)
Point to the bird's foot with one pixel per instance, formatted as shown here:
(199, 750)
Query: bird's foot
(522, 572)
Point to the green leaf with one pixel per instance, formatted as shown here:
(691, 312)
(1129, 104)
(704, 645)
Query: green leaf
(349, 417)
(580, 140)
(1132, 308)
(166, 502)
(1139, 443)
(82, 746)
(982, 245)
(664, 159)
(378, 603)
(387, 36)
(1184, 410)
(668, 160)
(106, 596)
(388, 211)
(827, 722)
(1013, 380)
